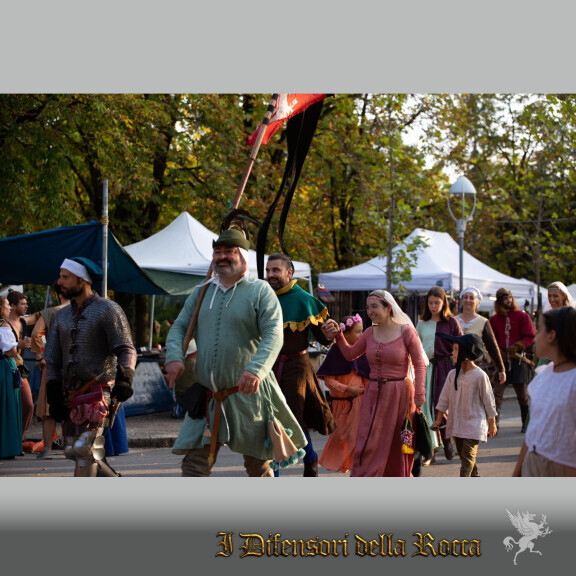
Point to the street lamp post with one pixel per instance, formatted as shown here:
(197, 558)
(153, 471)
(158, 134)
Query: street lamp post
(462, 188)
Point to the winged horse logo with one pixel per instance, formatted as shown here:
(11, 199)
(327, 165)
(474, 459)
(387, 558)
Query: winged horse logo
(529, 530)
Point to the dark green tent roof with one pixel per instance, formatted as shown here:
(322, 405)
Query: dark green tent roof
(36, 258)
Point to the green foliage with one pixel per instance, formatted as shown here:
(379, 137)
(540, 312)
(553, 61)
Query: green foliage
(366, 184)
(166, 309)
(405, 258)
(518, 150)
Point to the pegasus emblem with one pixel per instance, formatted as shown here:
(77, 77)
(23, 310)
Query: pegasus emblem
(529, 530)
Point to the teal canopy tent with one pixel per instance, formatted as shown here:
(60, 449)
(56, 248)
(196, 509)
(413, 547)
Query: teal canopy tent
(36, 258)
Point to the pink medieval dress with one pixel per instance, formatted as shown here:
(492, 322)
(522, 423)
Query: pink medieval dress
(389, 395)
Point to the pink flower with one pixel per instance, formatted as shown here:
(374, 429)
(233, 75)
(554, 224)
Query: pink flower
(350, 321)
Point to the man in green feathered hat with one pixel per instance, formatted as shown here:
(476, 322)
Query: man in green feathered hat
(238, 337)
(303, 315)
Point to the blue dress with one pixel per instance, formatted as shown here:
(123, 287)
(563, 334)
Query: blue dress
(116, 438)
(10, 411)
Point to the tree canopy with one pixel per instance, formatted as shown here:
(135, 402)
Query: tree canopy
(378, 167)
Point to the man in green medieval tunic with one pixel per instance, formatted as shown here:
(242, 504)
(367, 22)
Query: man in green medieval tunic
(238, 337)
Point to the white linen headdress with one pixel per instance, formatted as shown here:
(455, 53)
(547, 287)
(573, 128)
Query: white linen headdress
(77, 269)
(472, 290)
(560, 286)
(399, 317)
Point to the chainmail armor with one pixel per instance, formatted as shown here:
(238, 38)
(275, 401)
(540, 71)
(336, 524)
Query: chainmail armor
(81, 342)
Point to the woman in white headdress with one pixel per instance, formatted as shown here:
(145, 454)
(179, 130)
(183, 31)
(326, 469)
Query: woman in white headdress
(395, 388)
(473, 323)
(558, 297)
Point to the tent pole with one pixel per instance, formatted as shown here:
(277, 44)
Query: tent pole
(105, 238)
(151, 320)
(47, 296)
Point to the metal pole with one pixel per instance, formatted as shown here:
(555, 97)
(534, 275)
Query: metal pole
(462, 228)
(46, 300)
(151, 320)
(462, 186)
(105, 238)
(461, 257)
(389, 252)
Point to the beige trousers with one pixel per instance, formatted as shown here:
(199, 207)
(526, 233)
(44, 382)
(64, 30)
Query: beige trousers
(195, 463)
(536, 465)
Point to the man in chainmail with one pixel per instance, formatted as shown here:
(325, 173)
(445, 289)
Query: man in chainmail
(90, 362)
(514, 333)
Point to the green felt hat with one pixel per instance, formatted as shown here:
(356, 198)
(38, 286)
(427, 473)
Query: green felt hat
(232, 237)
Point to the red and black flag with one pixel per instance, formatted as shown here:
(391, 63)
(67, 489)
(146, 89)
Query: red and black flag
(300, 112)
(287, 105)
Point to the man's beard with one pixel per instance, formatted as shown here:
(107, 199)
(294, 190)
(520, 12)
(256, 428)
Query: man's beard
(275, 283)
(70, 293)
(226, 269)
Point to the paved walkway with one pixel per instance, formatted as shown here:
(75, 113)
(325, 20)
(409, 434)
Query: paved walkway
(152, 435)
(155, 430)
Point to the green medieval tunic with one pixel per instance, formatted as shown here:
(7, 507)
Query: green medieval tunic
(239, 328)
(303, 316)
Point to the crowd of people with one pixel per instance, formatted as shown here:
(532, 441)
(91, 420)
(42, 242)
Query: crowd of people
(252, 385)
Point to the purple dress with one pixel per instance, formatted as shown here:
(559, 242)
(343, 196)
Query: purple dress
(442, 360)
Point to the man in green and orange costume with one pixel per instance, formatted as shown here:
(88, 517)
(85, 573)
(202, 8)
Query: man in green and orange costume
(303, 315)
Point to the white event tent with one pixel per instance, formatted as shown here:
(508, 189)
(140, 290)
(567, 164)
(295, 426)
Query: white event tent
(179, 255)
(437, 264)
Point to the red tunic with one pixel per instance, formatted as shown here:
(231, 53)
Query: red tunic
(521, 328)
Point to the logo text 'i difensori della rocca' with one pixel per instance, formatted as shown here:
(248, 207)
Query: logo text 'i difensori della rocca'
(529, 531)
(384, 545)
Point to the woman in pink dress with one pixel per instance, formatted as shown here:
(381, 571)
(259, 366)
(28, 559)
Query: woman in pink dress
(395, 389)
(346, 381)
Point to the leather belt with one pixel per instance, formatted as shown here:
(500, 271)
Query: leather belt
(282, 360)
(219, 396)
(348, 399)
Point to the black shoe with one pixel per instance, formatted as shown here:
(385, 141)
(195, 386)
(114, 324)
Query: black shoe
(58, 444)
(449, 450)
(417, 466)
(311, 469)
(525, 417)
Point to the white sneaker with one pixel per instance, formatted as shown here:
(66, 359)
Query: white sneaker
(44, 454)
